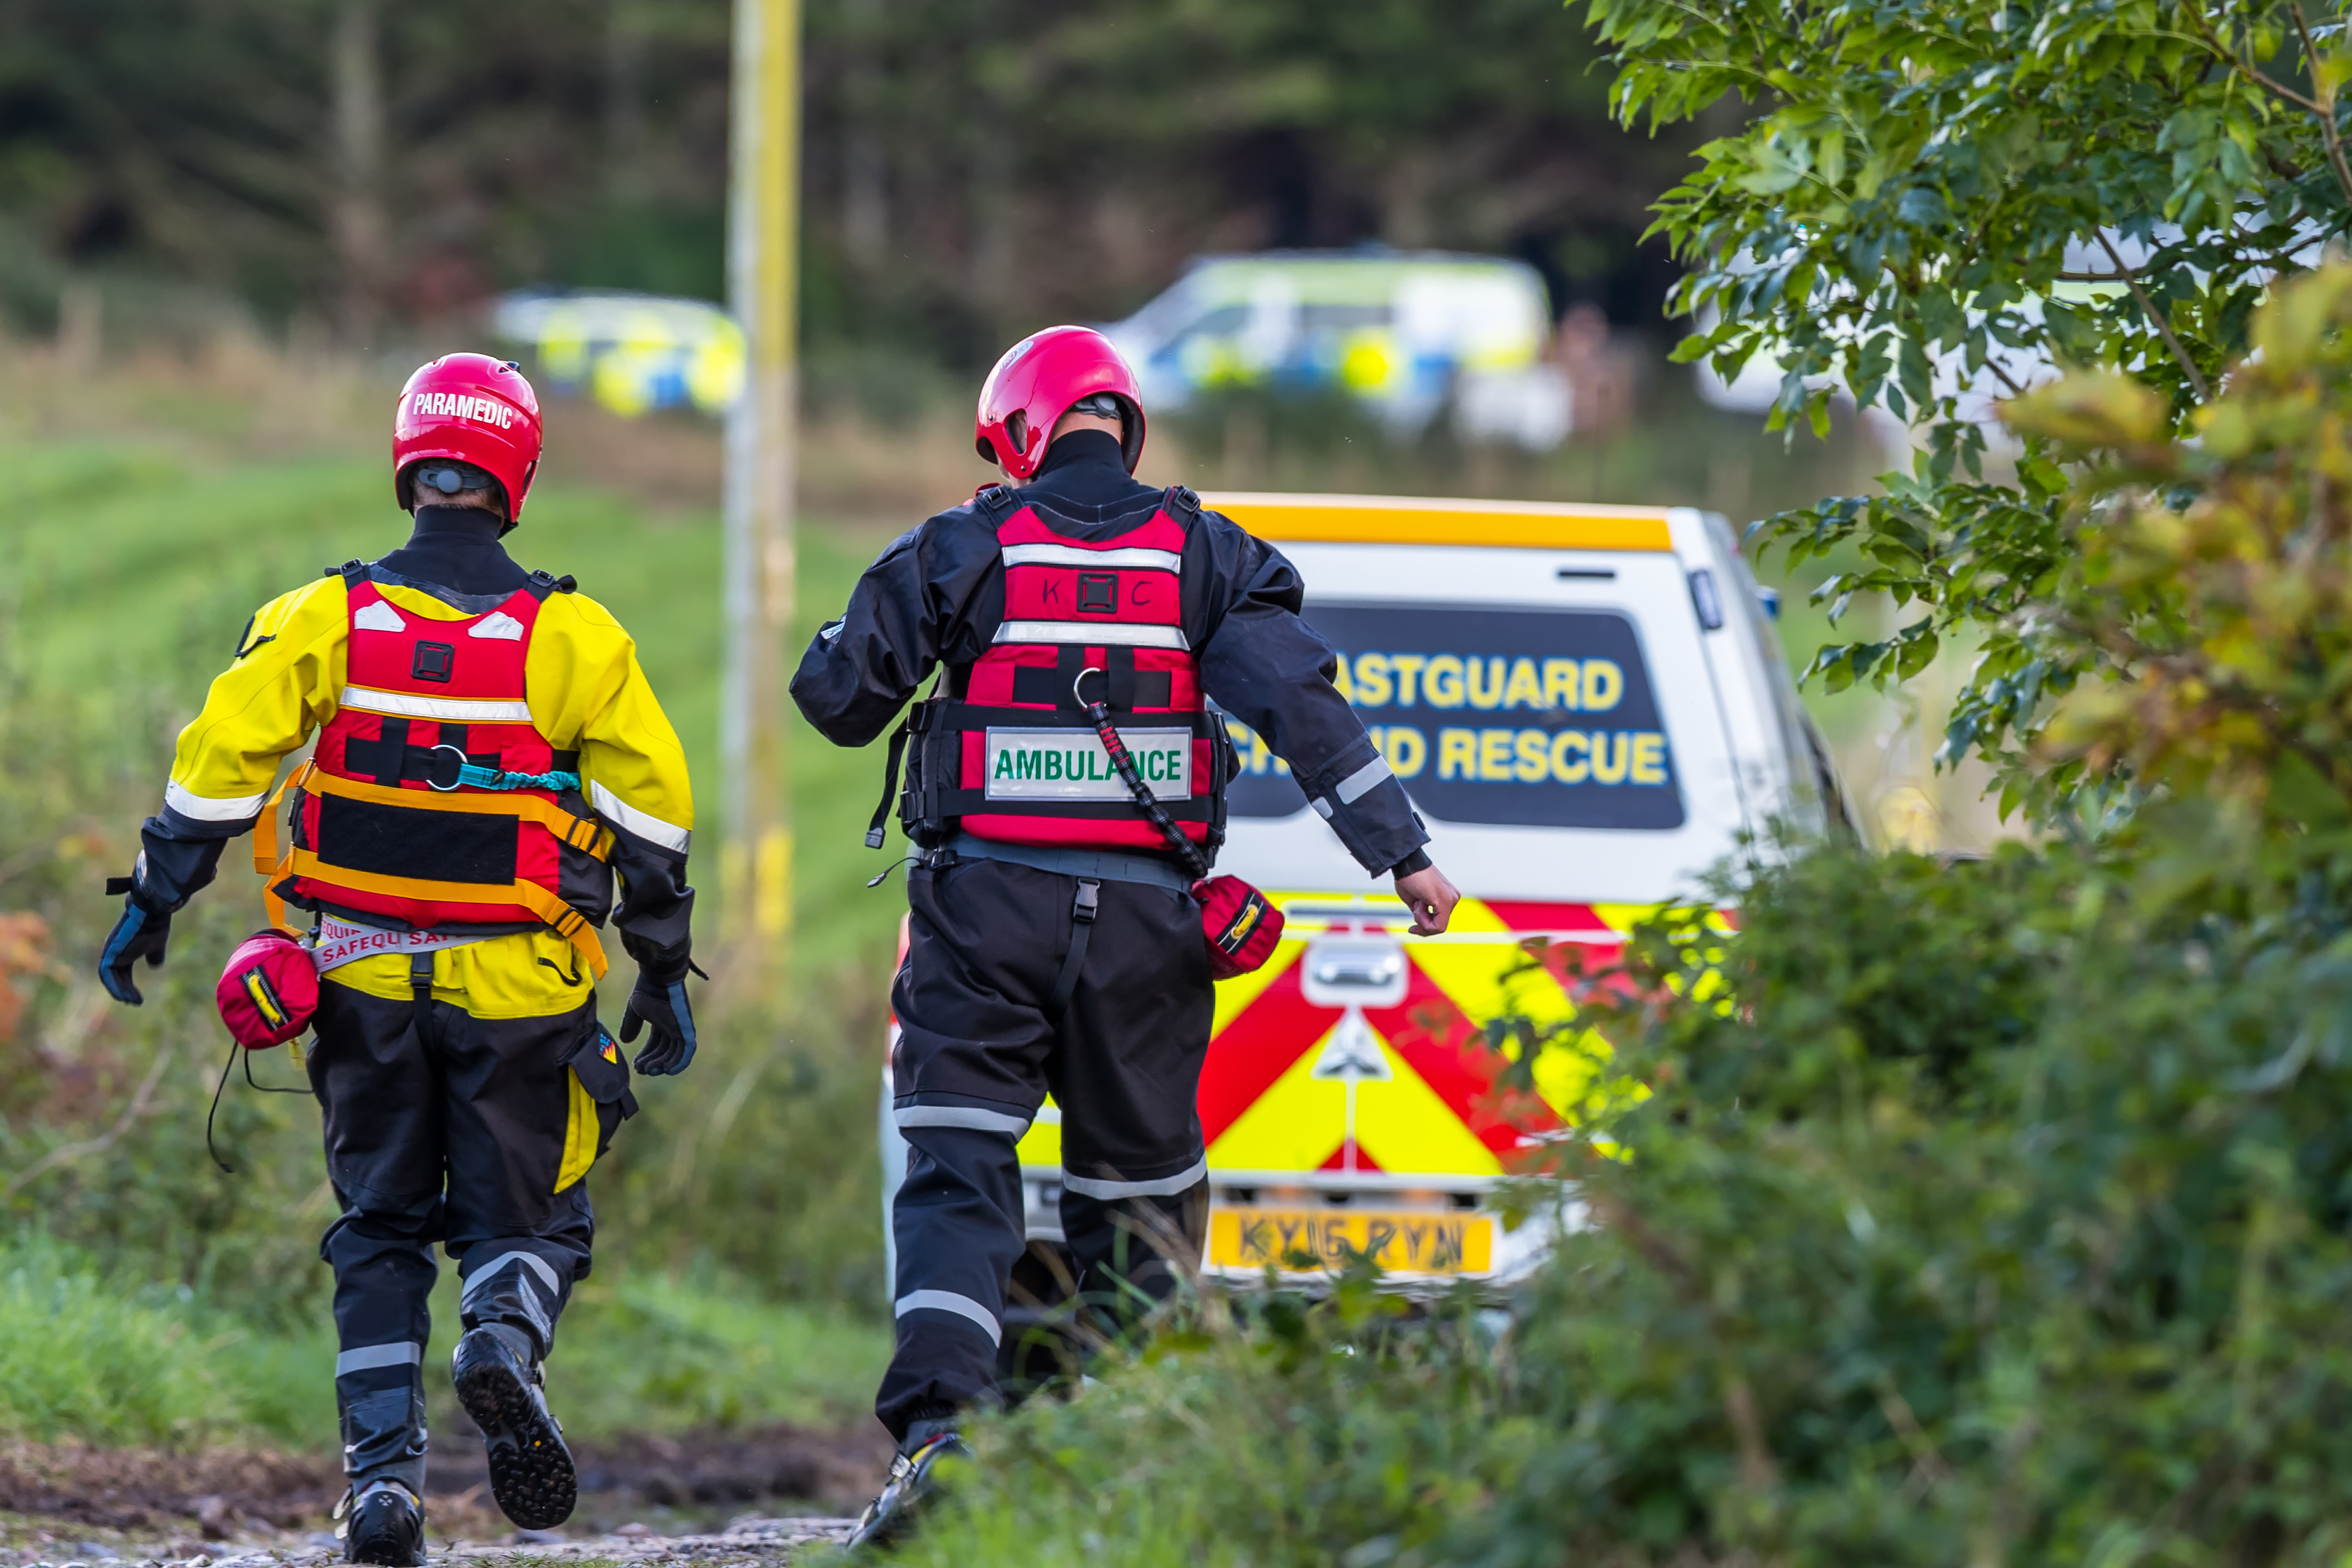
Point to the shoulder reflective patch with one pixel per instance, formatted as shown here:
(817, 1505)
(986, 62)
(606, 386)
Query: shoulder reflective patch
(499, 626)
(378, 617)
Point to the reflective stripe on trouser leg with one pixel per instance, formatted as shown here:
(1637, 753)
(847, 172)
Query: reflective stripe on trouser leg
(520, 1281)
(1135, 1242)
(383, 1276)
(958, 1228)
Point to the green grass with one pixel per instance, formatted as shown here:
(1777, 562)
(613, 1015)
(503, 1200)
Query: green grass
(91, 1355)
(82, 1358)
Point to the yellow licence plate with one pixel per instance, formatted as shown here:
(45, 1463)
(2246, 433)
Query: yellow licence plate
(1405, 1242)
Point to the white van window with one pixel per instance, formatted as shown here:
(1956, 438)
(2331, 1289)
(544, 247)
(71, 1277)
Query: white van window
(1513, 717)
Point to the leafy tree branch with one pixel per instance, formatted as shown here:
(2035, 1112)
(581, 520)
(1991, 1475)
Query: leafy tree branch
(1933, 208)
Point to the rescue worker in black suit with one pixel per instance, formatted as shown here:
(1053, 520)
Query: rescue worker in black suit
(1054, 942)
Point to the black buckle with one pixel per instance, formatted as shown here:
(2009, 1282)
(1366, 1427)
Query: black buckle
(1082, 907)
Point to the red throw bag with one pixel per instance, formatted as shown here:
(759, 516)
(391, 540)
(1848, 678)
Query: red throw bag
(269, 992)
(1241, 926)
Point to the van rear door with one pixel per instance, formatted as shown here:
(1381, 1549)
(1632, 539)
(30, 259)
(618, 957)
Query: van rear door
(1540, 679)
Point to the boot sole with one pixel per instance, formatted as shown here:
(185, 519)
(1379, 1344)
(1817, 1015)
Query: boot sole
(389, 1549)
(388, 1553)
(531, 1475)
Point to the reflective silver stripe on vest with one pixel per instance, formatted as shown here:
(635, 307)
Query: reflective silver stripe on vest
(1107, 634)
(948, 1301)
(1165, 1186)
(449, 709)
(1072, 556)
(367, 1358)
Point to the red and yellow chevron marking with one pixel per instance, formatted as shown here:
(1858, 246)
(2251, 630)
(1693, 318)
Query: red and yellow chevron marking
(1435, 1110)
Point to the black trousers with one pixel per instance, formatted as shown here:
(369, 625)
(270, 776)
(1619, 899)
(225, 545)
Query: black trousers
(978, 1053)
(460, 1133)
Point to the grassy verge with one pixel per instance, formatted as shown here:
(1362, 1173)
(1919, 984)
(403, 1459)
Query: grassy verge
(93, 1356)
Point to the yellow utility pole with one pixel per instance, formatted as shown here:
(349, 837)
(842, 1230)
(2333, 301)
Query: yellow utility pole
(763, 290)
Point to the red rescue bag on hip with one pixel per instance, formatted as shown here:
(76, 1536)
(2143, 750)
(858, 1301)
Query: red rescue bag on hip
(1241, 926)
(269, 992)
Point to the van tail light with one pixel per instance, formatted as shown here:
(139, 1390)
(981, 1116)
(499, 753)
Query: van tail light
(1705, 599)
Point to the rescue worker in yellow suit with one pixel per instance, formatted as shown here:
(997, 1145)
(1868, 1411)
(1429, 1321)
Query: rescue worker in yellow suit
(490, 757)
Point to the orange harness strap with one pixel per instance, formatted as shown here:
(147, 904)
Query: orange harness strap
(579, 833)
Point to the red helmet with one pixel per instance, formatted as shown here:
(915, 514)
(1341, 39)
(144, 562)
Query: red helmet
(474, 409)
(1035, 384)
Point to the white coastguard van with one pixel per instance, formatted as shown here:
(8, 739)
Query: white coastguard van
(1589, 708)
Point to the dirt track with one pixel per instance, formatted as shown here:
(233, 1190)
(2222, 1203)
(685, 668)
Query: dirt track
(749, 1540)
(665, 1496)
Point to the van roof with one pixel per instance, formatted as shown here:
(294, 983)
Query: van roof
(1416, 520)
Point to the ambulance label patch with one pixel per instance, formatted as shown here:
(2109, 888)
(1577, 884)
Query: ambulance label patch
(1071, 765)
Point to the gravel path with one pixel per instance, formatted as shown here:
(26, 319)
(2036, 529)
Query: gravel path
(751, 1540)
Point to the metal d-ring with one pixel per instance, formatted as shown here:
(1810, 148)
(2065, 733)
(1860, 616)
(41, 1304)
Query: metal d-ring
(1080, 680)
(456, 783)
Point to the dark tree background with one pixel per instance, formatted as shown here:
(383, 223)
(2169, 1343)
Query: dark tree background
(971, 168)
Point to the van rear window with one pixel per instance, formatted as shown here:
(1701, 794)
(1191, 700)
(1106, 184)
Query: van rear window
(1516, 718)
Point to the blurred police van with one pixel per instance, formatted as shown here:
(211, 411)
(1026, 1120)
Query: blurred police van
(1405, 333)
(1589, 708)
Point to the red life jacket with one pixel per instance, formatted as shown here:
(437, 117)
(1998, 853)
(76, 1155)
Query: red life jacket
(1007, 753)
(385, 828)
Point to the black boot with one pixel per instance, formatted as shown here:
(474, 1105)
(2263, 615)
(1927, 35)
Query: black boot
(531, 1469)
(385, 1525)
(911, 1484)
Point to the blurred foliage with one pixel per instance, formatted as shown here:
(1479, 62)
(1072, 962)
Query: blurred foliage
(2211, 575)
(1271, 1430)
(972, 169)
(1932, 205)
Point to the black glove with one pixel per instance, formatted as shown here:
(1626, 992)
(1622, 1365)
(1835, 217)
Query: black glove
(142, 933)
(663, 1004)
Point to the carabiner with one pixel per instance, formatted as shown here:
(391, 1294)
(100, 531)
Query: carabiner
(454, 782)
